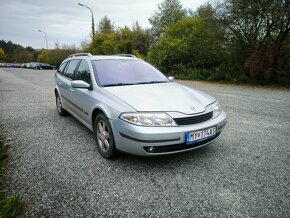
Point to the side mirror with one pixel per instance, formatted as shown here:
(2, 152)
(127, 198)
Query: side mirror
(171, 78)
(80, 84)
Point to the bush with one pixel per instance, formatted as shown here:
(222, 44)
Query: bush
(9, 206)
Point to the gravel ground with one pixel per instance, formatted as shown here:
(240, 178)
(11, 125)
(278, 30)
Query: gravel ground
(55, 168)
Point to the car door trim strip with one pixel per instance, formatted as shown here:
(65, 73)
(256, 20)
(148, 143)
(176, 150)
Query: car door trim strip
(86, 113)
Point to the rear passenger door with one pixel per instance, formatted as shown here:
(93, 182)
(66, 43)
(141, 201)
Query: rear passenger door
(66, 89)
(81, 97)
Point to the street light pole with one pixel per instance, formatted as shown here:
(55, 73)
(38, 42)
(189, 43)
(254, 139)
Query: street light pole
(45, 38)
(93, 23)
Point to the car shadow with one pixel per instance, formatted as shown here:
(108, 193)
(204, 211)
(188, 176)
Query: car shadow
(163, 161)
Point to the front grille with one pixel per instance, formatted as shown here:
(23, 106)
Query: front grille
(194, 119)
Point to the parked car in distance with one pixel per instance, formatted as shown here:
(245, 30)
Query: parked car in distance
(47, 66)
(132, 107)
(17, 65)
(42, 66)
(25, 65)
(33, 65)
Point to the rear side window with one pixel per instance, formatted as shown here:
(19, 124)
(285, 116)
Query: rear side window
(83, 72)
(61, 68)
(69, 72)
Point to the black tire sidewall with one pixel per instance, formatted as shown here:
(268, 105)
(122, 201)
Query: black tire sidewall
(62, 112)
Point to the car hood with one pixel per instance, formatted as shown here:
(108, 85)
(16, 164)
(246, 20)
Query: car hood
(162, 97)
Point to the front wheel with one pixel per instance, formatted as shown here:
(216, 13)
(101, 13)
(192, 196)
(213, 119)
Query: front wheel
(104, 137)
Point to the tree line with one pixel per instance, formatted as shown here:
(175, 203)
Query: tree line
(231, 40)
(15, 53)
(239, 41)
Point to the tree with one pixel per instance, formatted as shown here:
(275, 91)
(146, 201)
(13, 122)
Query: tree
(258, 31)
(59, 53)
(17, 53)
(21, 55)
(122, 40)
(168, 13)
(43, 56)
(105, 44)
(2, 55)
(188, 44)
(105, 26)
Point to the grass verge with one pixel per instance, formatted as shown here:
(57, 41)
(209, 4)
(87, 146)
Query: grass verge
(9, 206)
(247, 85)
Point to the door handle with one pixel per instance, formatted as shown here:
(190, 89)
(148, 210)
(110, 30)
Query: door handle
(71, 90)
(59, 83)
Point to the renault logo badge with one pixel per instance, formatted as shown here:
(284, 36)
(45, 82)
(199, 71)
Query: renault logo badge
(192, 108)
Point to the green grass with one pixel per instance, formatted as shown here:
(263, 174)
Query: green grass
(9, 206)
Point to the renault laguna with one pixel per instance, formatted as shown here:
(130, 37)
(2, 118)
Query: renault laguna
(132, 107)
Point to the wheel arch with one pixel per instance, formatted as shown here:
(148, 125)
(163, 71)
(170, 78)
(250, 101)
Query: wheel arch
(95, 113)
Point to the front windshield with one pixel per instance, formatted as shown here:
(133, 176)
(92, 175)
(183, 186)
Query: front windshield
(126, 72)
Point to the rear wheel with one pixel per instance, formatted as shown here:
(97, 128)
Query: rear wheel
(60, 110)
(104, 137)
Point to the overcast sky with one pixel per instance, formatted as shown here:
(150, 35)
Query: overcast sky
(65, 22)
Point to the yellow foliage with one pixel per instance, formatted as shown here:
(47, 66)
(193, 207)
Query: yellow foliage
(2, 55)
(43, 56)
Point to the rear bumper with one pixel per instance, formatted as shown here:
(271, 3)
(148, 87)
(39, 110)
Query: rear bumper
(151, 141)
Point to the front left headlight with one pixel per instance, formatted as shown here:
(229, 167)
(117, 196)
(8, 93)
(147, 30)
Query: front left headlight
(217, 109)
(148, 119)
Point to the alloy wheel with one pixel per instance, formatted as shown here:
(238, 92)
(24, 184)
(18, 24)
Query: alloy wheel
(58, 104)
(103, 136)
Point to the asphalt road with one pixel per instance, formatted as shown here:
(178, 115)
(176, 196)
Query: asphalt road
(55, 168)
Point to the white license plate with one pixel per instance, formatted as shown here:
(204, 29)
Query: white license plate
(192, 137)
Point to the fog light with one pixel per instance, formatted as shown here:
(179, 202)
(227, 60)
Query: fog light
(151, 149)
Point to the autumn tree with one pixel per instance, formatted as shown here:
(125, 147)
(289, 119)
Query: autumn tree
(2, 55)
(258, 33)
(43, 56)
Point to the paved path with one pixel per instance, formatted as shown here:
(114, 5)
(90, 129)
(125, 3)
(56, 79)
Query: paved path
(57, 171)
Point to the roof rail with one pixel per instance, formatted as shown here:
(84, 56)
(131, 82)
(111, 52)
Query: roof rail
(79, 54)
(127, 55)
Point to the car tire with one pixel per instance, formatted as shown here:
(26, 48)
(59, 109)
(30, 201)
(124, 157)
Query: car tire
(104, 137)
(59, 108)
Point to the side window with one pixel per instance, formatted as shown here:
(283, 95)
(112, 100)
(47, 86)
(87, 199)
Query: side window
(69, 72)
(60, 70)
(83, 72)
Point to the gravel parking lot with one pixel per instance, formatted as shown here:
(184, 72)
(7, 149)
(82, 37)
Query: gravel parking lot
(55, 168)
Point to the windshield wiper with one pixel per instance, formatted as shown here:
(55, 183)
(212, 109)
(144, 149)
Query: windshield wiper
(118, 84)
(128, 84)
(150, 82)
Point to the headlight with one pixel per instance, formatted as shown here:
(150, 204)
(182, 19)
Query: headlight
(148, 119)
(217, 109)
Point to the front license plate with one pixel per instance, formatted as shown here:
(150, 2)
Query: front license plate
(192, 137)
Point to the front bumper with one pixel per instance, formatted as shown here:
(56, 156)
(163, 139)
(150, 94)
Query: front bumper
(140, 140)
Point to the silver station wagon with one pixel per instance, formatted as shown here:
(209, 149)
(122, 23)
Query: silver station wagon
(132, 107)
